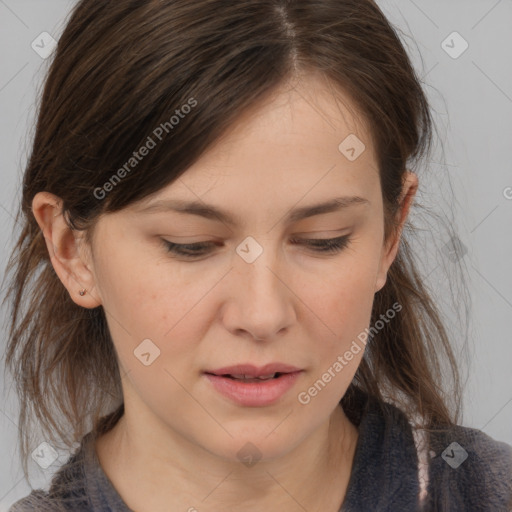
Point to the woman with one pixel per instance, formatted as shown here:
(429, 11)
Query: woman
(221, 307)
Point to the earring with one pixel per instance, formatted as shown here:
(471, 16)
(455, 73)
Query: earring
(82, 292)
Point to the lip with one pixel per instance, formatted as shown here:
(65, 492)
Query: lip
(254, 371)
(254, 394)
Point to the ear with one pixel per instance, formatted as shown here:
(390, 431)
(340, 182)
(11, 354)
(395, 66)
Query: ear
(390, 249)
(69, 257)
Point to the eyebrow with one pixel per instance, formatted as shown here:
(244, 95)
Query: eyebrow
(209, 211)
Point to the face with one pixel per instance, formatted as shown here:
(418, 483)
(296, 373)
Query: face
(261, 287)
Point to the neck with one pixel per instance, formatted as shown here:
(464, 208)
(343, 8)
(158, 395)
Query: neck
(314, 474)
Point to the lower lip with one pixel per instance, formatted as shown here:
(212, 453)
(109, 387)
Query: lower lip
(254, 394)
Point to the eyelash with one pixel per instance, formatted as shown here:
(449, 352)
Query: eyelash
(323, 246)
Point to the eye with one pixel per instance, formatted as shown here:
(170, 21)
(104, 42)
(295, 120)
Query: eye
(326, 246)
(188, 250)
(329, 245)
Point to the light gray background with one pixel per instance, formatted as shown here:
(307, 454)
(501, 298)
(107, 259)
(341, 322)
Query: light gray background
(472, 101)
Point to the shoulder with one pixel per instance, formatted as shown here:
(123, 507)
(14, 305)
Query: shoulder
(457, 468)
(36, 500)
(53, 501)
(470, 471)
(67, 490)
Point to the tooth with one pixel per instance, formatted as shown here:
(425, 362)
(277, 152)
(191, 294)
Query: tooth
(245, 377)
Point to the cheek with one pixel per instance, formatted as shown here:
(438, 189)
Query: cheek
(344, 309)
(341, 309)
(142, 291)
(344, 298)
(149, 307)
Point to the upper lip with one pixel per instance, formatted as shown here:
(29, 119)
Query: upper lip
(254, 371)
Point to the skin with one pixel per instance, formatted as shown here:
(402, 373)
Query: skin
(176, 446)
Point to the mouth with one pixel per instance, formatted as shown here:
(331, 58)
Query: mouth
(249, 371)
(249, 386)
(249, 378)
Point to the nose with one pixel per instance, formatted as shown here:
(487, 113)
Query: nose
(261, 305)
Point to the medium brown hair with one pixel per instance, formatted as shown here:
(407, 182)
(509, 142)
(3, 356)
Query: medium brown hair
(120, 70)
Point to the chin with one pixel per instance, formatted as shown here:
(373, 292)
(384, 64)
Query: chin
(257, 445)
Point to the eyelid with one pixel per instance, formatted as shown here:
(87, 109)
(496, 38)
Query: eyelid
(324, 235)
(323, 246)
(329, 233)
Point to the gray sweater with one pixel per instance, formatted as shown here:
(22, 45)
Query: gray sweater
(462, 469)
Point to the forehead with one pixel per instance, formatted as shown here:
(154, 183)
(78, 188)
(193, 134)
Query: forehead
(308, 110)
(291, 146)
